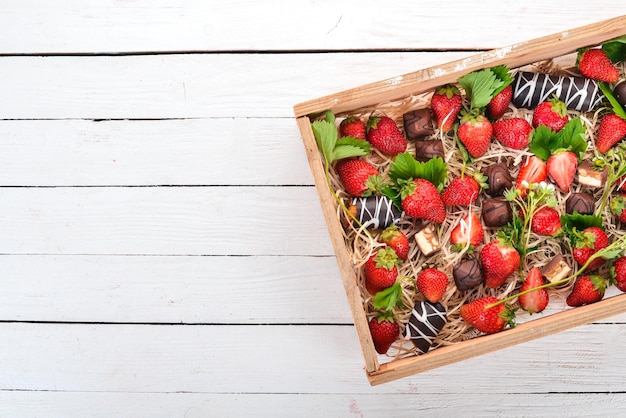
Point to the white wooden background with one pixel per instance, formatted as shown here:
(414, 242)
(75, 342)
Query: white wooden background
(162, 250)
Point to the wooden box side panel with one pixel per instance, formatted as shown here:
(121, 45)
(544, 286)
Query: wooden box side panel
(344, 262)
(427, 79)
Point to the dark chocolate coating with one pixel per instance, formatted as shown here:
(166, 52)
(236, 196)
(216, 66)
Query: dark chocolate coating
(583, 203)
(496, 211)
(427, 320)
(467, 274)
(380, 210)
(620, 93)
(425, 150)
(418, 123)
(578, 93)
(498, 178)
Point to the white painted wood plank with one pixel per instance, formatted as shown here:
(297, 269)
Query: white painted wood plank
(113, 26)
(227, 290)
(288, 359)
(190, 86)
(163, 221)
(222, 151)
(202, 405)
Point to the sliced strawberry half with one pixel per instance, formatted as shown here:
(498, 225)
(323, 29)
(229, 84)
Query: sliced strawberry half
(561, 168)
(533, 171)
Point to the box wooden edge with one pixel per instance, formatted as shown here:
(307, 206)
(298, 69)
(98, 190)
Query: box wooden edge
(348, 277)
(528, 331)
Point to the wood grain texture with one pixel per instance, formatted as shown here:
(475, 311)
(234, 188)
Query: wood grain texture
(287, 359)
(112, 26)
(176, 152)
(162, 221)
(189, 86)
(173, 289)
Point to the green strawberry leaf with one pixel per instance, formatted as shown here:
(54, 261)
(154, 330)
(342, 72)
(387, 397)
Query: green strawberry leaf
(332, 148)
(392, 193)
(618, 109)
(480, 86)
(616, 49)
(578, 222)
(348, 146)
(572, 137)
(406, 167)
(543, 137)
(389, 298)
(503, 73)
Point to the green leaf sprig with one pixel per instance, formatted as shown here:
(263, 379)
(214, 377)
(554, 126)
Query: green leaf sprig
(614, 160)
(572, 137)
(482, 85)
(333, 148)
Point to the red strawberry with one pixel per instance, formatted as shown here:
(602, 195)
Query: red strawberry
(586, 290)
(469, 229)
(499, 261)
(537, 300)
(432, 283)
(446, 104)
(500, 103)
(383, 133)
(618, 207)
(561, 168)
(551, 113)
(397, 240)
(533, 171)
(588, 242)
(595, 64)
(352, 126)
(618, 273)
(546, 221)
(475, 132)
(490, 320)
(514, 133)
(359, 177)
(611, 131)
(381, 270)
(421, 200)
(384, 330)
(462, 191)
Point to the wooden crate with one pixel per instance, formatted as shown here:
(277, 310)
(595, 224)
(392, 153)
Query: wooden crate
(424, 81)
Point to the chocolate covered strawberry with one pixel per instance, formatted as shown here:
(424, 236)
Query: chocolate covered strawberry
(587, 289)
(432, 284)
(484, 318)
(381, 270)
(384, 135)
(612, 130)
(397, 240)
(384, 330)
(586, 243)
(514, 133)
(535, 300)
(358, 177)
(352, 126)
(551, 113)
(421, 200)
(446, 103)
(469, 230)
(499, 260)
(475, 132)
(595, 64)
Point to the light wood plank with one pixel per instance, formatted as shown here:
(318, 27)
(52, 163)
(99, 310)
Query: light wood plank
(163, 221)
(287, 359)
(202, 405)
(112, 26)
(189, 86)
(213, 151)
(228, 290)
